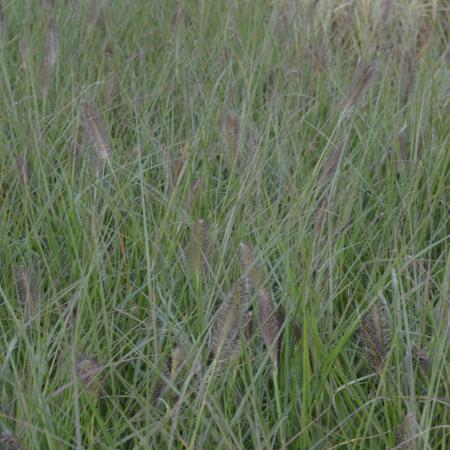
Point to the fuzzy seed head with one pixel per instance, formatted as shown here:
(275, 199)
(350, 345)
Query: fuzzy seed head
(89, 372)
(52, 44)
(250, 269)
(405, 433)
(386, 10)
(229, 323)
(332, 163)
(421, 357)
(249, 325)
(232, 131)
(27, 290)
(22, 170)
(364, 76)
(320, 218)
(50, 57)
(407, 75)
(198, 251)
(96, 133)
(161, 384)
(9, 441)
(297, 331)
(47, 5)
(2, 20)
(96, 16)
(110, 93)
(24, 52)
(270, 325)
(403, 143)
(375, 336)
(192, 194)
(178, 357)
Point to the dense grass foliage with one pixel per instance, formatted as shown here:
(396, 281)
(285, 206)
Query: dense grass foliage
(224, 224)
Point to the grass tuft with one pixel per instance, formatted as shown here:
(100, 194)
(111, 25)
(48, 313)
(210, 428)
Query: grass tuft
(224, 224)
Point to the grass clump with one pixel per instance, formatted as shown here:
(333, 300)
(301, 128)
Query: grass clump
(224, 224)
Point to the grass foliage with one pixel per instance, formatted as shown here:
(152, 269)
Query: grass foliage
(224, 224)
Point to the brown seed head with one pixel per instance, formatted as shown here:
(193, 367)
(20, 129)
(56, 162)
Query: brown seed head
(24, 52)
(177, 359)
(364, 75)
(47, 5)
(192, 194)
(404, 436)
(232, 133)
(96, 133)
(297, 331)
(270, 325)
(249, 325)
(96, 15)
(27, 290)
(199, 249)
(89, 371)
(10, 441)
(407, 75)
(52, 43)
(50, 57)
(386, 10)
(250, 269)
(421, 357)
(332, 163)
(2, 20)
(229, 322)
(161, 384)
(375, 335)
(320, 218)
(22, 169)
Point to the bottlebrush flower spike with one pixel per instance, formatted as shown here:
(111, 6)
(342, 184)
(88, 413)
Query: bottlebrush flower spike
(27, 290)
(270, 325)
(96, 133)
(230, 318)
(375, 336)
